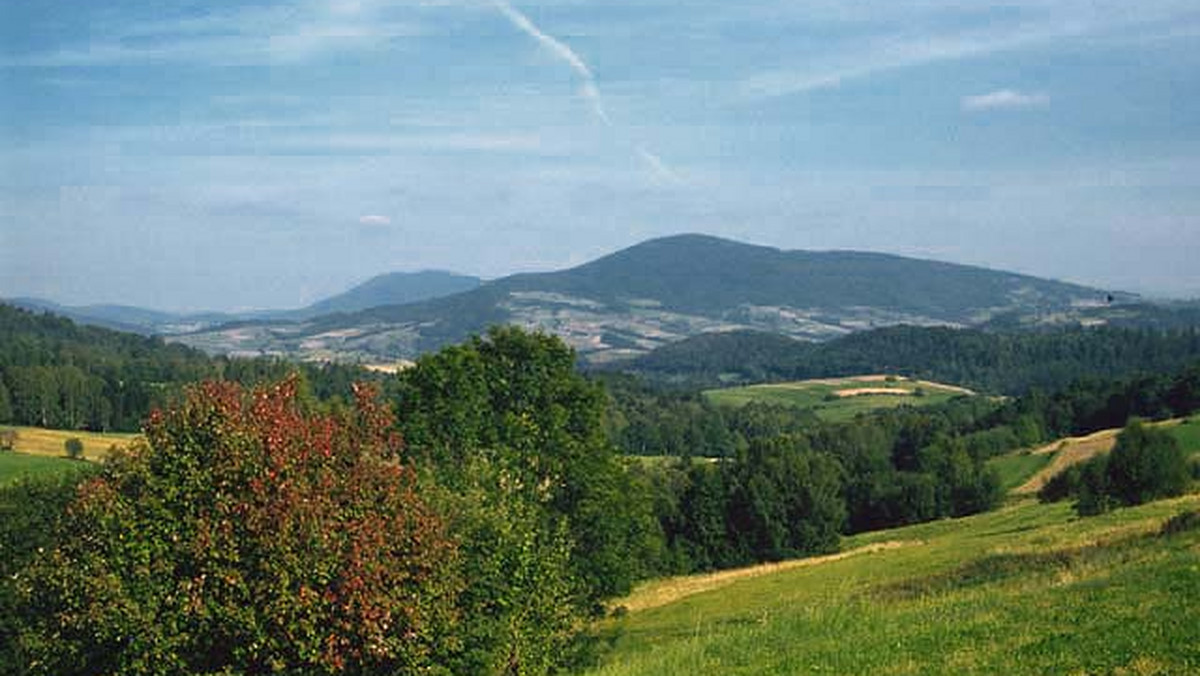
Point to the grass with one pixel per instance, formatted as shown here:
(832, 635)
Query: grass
(1028, 589)
(14, 466)
(840, 399)
(50, 443)
(1187, 433)
(1018, 467)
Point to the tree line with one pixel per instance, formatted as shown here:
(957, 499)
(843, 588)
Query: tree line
(55, 373)
(998, 362)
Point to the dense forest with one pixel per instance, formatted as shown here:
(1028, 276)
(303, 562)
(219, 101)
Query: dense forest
(996, 362)
(471, 514)
(55, 373)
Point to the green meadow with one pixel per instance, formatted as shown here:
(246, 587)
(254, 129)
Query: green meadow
(14, 466)
(1028, 589)
(840, 399)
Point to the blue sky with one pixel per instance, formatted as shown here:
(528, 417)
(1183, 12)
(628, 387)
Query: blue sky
(197, 155)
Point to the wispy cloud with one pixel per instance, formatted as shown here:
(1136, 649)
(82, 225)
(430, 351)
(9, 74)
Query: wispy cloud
(374, 220)
(245, 35)
(890, 54)
(1004, 99)
(924, 32)
(589, 89)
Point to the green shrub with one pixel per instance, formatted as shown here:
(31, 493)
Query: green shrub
(74, 448)
(1182, 522)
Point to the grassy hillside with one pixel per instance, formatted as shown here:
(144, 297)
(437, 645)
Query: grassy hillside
(14, 466)
(1029, 589)
(839, 399)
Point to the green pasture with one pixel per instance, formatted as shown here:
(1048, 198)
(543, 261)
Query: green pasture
(822, 395)
(1028, 589)
(14, 466)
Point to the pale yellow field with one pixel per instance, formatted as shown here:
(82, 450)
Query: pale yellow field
(50, 443)
(1072, 451)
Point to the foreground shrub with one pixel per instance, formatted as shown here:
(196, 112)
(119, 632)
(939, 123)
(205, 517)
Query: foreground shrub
(246, 536)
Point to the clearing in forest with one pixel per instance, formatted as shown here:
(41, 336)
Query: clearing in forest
(839, 399)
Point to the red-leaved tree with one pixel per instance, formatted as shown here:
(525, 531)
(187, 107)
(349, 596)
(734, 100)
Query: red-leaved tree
(247, 535)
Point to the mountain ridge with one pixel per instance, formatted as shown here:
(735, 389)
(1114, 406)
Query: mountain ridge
(633, 300)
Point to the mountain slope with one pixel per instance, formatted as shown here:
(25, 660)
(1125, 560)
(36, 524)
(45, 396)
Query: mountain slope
(395, 288)
(663, 290)
(706, 275)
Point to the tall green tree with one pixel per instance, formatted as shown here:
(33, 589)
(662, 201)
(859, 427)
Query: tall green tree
(513, 402)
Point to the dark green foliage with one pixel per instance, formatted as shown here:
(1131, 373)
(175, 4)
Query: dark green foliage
(31, 511)
(785, 501)
(6, 413)
(59, 375)
(1062, 485)
(1010, 363)
(1095, 488)
(554, 523)
(1146, 464)
(1182, 523)
(74, 448)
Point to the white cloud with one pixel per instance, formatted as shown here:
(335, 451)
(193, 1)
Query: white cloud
(375, 220)
(1004, 99)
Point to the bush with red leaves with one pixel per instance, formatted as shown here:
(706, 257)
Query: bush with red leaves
(247, 535)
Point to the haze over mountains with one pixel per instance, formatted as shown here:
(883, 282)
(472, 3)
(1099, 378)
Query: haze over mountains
(386, 289)
(663, 290)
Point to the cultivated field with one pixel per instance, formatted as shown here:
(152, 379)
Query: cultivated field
(1028, 589)
(51, 443)
(839, 399)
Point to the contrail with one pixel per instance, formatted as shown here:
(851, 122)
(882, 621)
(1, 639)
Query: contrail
(589, 90)
(562, 51)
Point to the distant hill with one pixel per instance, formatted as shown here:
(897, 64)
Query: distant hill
(664, 290)
(396, 288)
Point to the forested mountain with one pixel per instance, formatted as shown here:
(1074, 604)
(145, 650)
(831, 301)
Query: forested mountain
(1008, 362)
(55, 373)
(663, 290)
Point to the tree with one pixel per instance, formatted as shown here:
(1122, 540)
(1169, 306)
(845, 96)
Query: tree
(8, 439)
(246, 535)
(74, 448)
(1146, 464)
(513, 402)
(6, 413)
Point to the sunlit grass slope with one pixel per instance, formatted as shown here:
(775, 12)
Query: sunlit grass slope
(1029, 589)
(52, 443)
